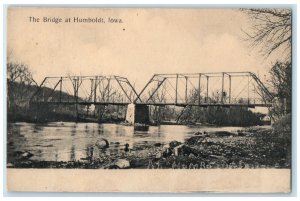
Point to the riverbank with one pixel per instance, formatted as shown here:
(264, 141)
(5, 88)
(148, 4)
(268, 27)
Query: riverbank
(248, 148)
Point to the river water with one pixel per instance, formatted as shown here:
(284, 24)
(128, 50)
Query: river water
(67, 141)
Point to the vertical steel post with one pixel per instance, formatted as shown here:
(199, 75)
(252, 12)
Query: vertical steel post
(60, 89)
(186, 87)
(76, 97)
(91, 93)
(77, 88)
(108, 90)
(222, 93)
(95, 89)
(248, 90)
(207, 82)
(229, 88)
(176, 88)
(199, 88)
(95, 94)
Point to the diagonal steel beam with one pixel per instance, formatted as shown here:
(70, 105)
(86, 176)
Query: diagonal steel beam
(156, 89)
(54, 88)
(122, 88)
(144, 88)
(262, 86)
(38, 89)
(127, 81)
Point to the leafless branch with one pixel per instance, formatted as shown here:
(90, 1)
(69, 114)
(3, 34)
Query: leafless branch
(271, 30)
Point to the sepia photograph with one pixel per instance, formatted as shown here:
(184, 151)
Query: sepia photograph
(149, 89)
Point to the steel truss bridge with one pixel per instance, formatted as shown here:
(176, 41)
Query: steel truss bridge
(224, 89)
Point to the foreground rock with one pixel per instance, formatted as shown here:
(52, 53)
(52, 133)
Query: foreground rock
(174, 144)
(184, 150)
(166, 152)
(102, 143)
(195, 140)
(19, 155)
(122, 164)
(198, 133)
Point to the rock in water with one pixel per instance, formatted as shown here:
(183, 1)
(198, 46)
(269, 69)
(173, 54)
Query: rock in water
(223, 133)
(26, 155)
(157, 144)
(122, 163)
(102, 143)
(195, 140)
(174, 144)
(126, 149)
(198, 133)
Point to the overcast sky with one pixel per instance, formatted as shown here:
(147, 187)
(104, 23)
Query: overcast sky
(148, 41)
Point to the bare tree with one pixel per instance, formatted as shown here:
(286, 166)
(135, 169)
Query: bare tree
(281, 79)
(19, 72)
(158, 96)
(281, 83)
(76, 83)
(104, 91)
(271, 30)
(19, 80)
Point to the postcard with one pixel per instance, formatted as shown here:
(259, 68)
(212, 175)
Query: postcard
(149, 99)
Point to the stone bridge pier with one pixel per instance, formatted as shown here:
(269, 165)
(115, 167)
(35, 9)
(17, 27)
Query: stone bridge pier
(137, 114)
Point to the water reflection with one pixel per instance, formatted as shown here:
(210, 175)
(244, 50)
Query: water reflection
(86, 128)
(76, 141)
(37, 128)
(100, 129)
(141, 128)
(56, 154)
(72, 153)
(74, 129)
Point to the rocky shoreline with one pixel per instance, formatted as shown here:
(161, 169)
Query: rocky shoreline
(249, 148)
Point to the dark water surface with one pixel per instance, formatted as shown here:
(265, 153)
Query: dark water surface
(65, 141)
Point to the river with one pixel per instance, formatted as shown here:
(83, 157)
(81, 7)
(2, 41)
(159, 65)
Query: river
(68, 141)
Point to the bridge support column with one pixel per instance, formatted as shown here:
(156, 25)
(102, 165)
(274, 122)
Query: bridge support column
(137, 114)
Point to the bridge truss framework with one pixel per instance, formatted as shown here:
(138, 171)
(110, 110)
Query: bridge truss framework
(189, 89)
